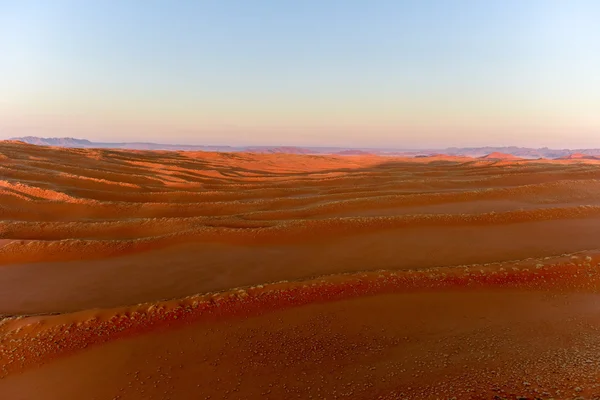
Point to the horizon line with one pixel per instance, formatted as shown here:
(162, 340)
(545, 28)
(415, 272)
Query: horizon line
(245, 146)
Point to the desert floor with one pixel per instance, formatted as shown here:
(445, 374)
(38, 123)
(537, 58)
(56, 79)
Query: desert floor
(176, 275)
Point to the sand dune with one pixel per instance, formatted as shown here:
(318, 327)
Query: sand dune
(91, 233)
(273, 216)
(503, 329)
(500, 156)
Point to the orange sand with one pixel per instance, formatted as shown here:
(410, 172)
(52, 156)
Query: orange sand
(89, 229)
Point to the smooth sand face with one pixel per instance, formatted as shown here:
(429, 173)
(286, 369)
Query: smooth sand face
(88, 229)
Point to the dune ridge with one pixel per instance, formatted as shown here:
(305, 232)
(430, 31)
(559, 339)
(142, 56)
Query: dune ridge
(56, 245)
(304, 192)
(39, 339)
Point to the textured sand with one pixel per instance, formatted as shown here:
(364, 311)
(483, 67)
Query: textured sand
(92, 233)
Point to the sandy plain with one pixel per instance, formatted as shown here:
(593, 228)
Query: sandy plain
(175, 275)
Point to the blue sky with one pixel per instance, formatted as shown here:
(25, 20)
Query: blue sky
(354, 73)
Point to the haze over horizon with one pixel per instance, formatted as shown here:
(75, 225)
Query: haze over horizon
(430, 74)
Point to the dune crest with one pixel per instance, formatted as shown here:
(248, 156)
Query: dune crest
(580, 273)
(42, 341)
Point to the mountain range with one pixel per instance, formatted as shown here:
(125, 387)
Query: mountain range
(488, 151)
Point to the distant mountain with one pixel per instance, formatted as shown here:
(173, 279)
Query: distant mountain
(86, 144)
(522, 152)
(508, 152)
(61, 142)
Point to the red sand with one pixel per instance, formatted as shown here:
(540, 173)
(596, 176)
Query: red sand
(89, 229)
(381, 333)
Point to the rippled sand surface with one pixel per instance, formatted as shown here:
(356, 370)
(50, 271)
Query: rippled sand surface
(175, 275)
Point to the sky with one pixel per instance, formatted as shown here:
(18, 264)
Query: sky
(370, 73)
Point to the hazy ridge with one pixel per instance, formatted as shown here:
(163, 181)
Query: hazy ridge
(523, 152)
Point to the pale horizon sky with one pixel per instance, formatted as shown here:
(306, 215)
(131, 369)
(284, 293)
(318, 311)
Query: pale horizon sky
(371, 73)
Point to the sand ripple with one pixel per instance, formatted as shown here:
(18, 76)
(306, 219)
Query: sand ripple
(296, 276)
